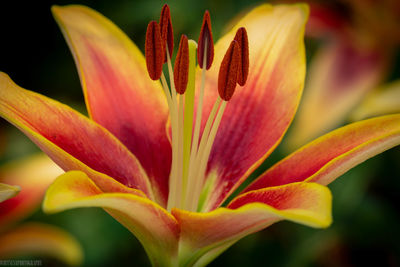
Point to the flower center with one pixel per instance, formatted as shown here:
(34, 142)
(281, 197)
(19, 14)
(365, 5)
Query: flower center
(190, 153)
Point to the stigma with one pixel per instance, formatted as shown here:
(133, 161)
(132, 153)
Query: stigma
(190, 153)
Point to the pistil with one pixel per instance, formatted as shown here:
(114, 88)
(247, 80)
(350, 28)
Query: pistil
(189, 116)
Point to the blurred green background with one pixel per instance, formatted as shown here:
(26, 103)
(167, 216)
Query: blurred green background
(366, 200)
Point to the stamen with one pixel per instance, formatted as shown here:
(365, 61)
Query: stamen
(228, 72)
(205, 43)
(180, 153)
(174, 199)
(173, 180)
(181, 68)
(205, 56)
(167, 33)
(154, 51)
(243, 41)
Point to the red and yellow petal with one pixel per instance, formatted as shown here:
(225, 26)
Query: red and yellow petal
(340, 76)
(331, 155)
(156, 229)
(33, 175)
(118, 91)
(8, 191)
(305, 203)
(40, 240)
(73, 141)
(259, 113)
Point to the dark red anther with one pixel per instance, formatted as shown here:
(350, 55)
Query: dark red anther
(228, 71)
(154, 51)
(243, 41)
(205, 38)
(167, 33)
(181, 68)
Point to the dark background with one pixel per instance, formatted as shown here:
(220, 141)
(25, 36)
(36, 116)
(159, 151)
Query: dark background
(365, 231)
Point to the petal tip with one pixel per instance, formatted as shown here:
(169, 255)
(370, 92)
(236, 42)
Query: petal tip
(58, 11)
(304, 7)
(66, 189)
(4, 75)
(54, 8)
(322, 217)
(8, 191)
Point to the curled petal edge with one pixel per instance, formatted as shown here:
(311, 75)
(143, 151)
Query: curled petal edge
(155, 228)
(328, 157)
(202, 233)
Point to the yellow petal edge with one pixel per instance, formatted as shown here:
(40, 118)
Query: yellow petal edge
(8, 191)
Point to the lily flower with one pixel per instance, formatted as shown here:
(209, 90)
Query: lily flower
(22, 187)
(162, 158)
(359, 40)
